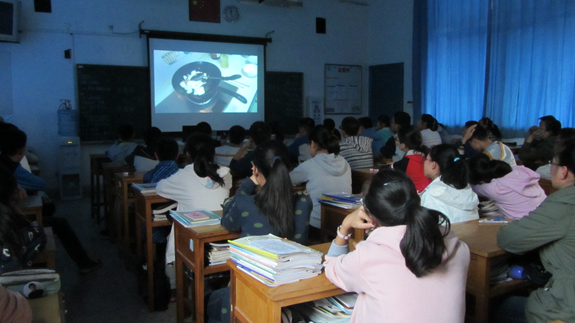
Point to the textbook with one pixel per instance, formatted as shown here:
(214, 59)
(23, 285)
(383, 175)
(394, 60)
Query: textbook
(219, 253)
(26, 281)
(195, 218)
(275, 261)
(338, 202)
(344, 197)
(145, 188)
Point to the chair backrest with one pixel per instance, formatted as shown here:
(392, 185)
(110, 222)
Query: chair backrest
(143, 164)
(547, 186)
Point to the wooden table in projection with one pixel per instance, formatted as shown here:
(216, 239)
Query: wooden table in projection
(482, 242)
(123, 182)
(191, 247)
(254, 302)
(144, 217)
(96, 161)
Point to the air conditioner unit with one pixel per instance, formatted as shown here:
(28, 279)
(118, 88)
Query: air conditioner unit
(275, 3)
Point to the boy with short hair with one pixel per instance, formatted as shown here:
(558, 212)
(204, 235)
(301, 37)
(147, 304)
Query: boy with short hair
(124, 145)
(382, 128)
(302, 137)
(355, 149)
(151, 137)
(241, 164)
(366, 130)
(479, 140)
(167, 152)
(236, 136)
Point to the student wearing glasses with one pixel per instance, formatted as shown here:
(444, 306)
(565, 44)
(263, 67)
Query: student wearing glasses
(409, 267)
(449, 191)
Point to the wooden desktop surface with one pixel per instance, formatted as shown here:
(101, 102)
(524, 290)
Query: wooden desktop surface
(359, 177)
(254, 302)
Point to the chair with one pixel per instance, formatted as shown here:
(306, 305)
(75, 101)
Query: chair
(143, 164)
(547, 186)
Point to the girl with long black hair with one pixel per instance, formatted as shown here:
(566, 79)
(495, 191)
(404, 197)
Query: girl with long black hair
(409, 141)
(428, 126)
(409, 267)
(449, 191)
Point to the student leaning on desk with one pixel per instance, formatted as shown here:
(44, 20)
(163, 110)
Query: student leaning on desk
(550, 229)
(410, 269)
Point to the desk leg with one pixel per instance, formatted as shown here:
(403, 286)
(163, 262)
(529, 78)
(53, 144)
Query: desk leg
(119, 222)
(150, 262)
(482, 299)
(199, 280)
(92, 192)
(179, 290)
(126, 224)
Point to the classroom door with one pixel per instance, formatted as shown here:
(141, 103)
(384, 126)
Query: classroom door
(385, 90)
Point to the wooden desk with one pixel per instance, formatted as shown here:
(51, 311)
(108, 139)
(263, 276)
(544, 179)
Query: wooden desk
(331, 218)
(96, 202)
(144, 217)
(122, 186)
(47, 258)
(253, 302)
(109, 169)
(359, 177)
(547, 186)
(482, 242)
(32, 205)
(49, 309)
(195, 259)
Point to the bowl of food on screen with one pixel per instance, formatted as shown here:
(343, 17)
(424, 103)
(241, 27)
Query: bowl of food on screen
(199, 82)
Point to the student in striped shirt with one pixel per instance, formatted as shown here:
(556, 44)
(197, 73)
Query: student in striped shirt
(355, 149)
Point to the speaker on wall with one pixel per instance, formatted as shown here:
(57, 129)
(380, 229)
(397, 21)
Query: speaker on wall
(320, 25)
(43, 5)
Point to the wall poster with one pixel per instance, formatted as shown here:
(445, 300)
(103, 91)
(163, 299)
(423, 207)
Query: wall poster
(342, 89)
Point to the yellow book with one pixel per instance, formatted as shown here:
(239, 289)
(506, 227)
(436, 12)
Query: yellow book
(275, 248)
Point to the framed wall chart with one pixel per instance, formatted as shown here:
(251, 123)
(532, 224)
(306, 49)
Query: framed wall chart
(342, 91)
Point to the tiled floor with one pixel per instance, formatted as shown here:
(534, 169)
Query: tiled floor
(109, 294)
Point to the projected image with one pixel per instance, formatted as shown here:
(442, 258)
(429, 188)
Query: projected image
(193, 82)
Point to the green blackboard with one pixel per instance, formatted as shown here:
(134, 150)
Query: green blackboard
(109, 96)
(284, 99)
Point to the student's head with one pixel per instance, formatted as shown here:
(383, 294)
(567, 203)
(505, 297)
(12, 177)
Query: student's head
(444, 160)
(152, 135)
(427, 121)
(400, 119)
(204, 127)
(365, 123)
(305, 125)
(383, 122)
(483, 170)
(260, 132)
(349, 126)
(479, 140)
(274, 199)
(550, 126)
(391, 201)
(237, 134)
(563, 164)
(200, 151)
(488, 125)
(329, 124)
(13, 143)
(126, 132)
(321, 140)
(409, 138)
(566, 134)
(467, 125)
(167, 149)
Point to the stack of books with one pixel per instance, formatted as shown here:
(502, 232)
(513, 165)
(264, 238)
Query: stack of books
(337, 309)
(145, 188)
(274, 261)
(196, 218)
(160, 211)
(342, 200)
(219, 254)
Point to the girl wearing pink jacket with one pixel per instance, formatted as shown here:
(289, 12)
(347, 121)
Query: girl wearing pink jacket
(410, 268)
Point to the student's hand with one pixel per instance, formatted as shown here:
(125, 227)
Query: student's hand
(468, 133)
(359, 219)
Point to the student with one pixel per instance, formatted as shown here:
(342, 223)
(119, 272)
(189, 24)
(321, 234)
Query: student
(382, 128)
(428, 127)
(236, 136)
(464, 145)
(449, 191)
(330, 125)
(493, 149)
(151, 137)
(354, 148)
(325, 172)
(564, 134)
(301, 138)
(550, 229)
(493, 132)
(205, 128)
(538, 146)
(514, 189)
(366, 130)
(13, 147)
(123, 146)
(273, 209)
(409, 267)
(202, 184)
(390, 150)
(241, 164)
(409, 140)
(167, 152)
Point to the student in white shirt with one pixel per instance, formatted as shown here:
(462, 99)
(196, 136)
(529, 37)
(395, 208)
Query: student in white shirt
(428, 126)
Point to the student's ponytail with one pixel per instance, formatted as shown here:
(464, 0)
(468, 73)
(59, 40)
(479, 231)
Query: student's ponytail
(411, 137)
(275, 198)
(452, 166)
(201, 150)
(430, 121)
(392, 200)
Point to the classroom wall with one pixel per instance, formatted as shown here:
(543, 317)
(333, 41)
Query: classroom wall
(106, 33)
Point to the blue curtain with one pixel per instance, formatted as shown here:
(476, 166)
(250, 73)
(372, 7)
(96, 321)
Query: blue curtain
(513, 63)
(454, 66)
(532, 63)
